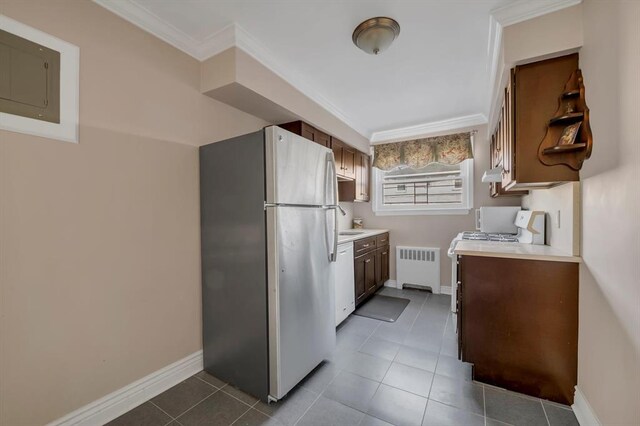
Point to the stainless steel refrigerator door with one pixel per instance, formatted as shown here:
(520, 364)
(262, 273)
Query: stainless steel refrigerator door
(299, 171)
(301, 294)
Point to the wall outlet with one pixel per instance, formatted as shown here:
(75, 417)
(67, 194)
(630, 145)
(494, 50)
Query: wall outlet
(557, 218)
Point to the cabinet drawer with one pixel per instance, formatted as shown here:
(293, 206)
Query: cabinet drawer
(382, 240)
(364, 245)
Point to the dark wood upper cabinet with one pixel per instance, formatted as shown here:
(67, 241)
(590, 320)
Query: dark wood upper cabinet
(345, 159)
(308, 131)
(357, 189)
(363, 173)
(530, 101)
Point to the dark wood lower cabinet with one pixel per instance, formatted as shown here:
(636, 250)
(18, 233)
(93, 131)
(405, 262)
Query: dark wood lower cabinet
(518, 324)
(365, 274)
(371, 266)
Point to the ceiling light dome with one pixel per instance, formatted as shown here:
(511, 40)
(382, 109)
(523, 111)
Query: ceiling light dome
(376, 34)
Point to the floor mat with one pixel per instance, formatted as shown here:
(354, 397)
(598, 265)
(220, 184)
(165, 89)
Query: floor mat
(384, 308)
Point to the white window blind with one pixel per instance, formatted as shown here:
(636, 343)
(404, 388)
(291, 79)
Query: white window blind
(434, 189)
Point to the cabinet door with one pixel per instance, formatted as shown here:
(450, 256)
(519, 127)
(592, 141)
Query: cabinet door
(384, 265)
(362, 178)
(338, 149)
(360, 278)
(322, 138)
(378, 262)
(348, 162)
(370, 273)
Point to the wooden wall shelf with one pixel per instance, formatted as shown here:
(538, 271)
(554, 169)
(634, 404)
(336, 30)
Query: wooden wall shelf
(559, 149)
(567, 118)
(571, 94)
(572, 108)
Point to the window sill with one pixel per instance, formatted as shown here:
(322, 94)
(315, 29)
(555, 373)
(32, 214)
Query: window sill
(434, 212)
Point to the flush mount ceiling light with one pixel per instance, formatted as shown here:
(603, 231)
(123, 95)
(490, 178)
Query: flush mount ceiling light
(376, 34)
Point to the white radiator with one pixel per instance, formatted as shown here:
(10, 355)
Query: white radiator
(418, 267)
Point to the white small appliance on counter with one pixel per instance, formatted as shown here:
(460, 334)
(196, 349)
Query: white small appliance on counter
(499, 225)
(530, 225)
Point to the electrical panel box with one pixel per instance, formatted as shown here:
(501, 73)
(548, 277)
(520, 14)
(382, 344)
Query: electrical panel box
(29, 79)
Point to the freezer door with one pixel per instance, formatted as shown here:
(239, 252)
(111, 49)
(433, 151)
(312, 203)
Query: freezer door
(298, 171)
(301, 294)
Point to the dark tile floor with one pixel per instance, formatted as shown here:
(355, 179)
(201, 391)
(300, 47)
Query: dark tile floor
(402, 373)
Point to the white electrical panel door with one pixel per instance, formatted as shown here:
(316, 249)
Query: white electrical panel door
(344, 282)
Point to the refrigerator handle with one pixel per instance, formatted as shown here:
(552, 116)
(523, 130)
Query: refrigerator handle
(332, 183)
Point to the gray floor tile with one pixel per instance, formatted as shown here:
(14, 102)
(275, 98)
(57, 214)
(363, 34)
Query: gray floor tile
(349, 341)
(420, 339)
(143, 415)
(440, 299)
(256, 418)
(560, 416)
(511, 408)
(438, 414)
(397, 407)
(218, 409)
(238, 394)
(410, 379)
(449, 347)
(352, 390)
(211, 379)
(494, 422)
(367, 366)
(291, 408)
(392, 332)
(452, 367)
(183, 396)
(431, 321)
(359, 325)
(418, 358)
(373, 421)
(380, 348)
(318, 380)
(326, 412)
(458, 393)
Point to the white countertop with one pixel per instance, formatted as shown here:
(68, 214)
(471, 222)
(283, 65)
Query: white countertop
(364, 233)
(514, 251)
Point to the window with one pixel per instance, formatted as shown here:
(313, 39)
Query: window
(434, 189)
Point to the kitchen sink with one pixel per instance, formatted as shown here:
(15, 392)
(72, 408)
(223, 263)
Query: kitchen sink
(350, 232)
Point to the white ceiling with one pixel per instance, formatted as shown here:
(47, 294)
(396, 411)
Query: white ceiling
(437, 70)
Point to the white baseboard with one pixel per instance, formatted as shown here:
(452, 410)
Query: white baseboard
(391, 283)
(583, 411)
(124, 399)
(445, 290)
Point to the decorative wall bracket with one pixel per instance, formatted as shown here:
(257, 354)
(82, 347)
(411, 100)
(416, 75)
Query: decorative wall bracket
(568, 140)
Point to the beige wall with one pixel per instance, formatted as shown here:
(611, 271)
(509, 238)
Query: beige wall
(437, 230)
(562, 219)
(609, 340)
(99, 248)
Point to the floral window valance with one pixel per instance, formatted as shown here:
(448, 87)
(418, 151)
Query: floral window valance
(419, 153)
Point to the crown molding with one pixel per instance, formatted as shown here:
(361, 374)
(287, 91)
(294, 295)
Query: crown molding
(151, 23)
(510, 14)
(419, 130)
(523, 10)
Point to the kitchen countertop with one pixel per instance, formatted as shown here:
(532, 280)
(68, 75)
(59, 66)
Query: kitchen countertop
(514, 251)
(365, 234)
